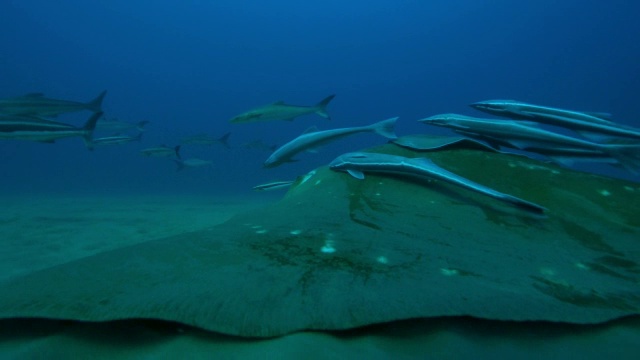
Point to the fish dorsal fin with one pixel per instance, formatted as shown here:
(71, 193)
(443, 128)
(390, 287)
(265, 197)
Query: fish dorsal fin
(33, 95)
(310, 130)
(279, 102)
(356, 174)
(599, 115)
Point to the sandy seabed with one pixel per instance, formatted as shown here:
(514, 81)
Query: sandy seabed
(37, 232)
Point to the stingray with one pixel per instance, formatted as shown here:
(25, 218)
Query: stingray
(340, 253)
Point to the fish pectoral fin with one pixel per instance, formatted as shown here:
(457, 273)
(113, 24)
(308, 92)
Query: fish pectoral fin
(356, 174)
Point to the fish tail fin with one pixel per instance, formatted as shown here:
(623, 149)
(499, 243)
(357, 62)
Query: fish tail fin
(627, 155)
(140, 125)
(89, 127)
(224, 140)
(386, 128)
(177, 151)
(322, 107)
(95, 105)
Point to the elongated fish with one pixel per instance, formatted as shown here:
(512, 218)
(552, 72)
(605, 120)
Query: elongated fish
(47, 131)
(37, 104)
(117, 125)
(593, 126)
(358, 163)
(526, 136)
(162, 151)
(191, 163)
(116, 140)
(281, 111)
(311, 140)
(206, 139)
(274, 185)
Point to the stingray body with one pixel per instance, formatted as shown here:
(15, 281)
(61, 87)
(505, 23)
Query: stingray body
(340, 253)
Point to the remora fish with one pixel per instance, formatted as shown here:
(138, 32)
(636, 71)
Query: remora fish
(115, 140)
(37, 105)
(357, 163)
(117, 125)
(275, 185)
(311, 140)
(281, 111)
(525, 136)
(47, 131)
(205, 139)
(191, 163)
(162, 151)
(594, 126)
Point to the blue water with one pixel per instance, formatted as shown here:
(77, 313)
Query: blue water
(190, 66)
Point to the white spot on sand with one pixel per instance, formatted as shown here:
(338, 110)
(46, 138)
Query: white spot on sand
(328, 247)
(378, 194)
(382, 260)
(256, 227)
(629, 188)
(295, 232)
(547, 272)
(604, 192)
(318, 182)
(449, 272)
(261, 231)
(582, 266)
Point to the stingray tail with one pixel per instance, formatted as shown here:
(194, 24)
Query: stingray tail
(322, 107)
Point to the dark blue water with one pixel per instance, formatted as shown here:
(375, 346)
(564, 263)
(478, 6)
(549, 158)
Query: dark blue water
(190, 66)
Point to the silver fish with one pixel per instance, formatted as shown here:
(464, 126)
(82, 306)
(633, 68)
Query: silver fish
(36, 104)
(162, 151)
(275, 185)
(42, 130)
(593, 126)
(191, 163)
(526, 136)
(281, 111)
(311, 140)
(117, 125)
(116, 140)
(357, 163)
